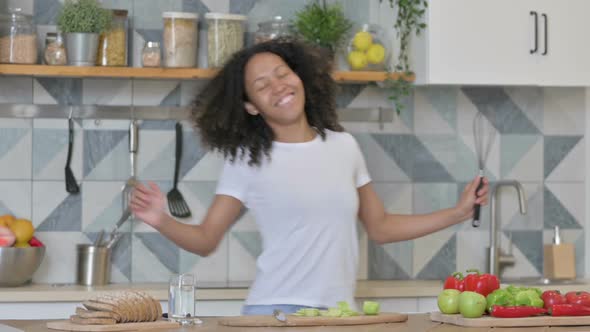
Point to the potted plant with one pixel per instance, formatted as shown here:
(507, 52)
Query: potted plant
(82, 21)
(322, 25)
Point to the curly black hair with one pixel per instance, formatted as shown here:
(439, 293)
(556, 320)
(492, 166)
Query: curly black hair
(219, 114)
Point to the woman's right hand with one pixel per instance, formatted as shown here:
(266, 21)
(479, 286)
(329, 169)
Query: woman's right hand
(149, 204)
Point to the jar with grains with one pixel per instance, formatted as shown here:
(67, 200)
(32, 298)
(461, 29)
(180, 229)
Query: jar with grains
(18, 38)
(55, 50)
(277, 27)
(150, 55)
(112, 45)
(180, 39)
(225, 36)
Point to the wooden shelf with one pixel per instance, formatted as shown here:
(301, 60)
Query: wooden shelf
(160, 73)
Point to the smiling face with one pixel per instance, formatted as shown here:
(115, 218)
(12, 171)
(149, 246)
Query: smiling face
(274, 91)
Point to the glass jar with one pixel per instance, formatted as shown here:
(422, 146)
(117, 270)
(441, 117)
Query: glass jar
(272, 29)
(368, 49)
(18, 38)
(180, 39)
(225, 36)
(55, 50)
(150, 56)
(112, 45)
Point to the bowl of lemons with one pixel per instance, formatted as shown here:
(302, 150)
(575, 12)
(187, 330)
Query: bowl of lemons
(368, 49)
(21, 253)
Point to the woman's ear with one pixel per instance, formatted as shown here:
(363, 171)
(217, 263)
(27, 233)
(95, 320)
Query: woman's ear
(250, 108)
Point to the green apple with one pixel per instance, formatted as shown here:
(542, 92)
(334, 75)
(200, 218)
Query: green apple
(472, 304)
(448, 301)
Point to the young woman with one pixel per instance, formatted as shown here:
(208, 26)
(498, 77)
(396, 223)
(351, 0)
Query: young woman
(271, 111)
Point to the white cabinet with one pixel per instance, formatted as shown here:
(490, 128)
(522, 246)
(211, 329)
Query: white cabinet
(504, 42)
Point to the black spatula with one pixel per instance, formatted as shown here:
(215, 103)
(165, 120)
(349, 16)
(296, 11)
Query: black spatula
(176, 202)
(71, 184)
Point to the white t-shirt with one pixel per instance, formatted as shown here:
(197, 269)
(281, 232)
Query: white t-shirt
(305, 203)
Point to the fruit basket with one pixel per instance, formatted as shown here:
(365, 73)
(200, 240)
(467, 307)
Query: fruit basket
(368, 49)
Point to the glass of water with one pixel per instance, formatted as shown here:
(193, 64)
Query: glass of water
(181, 299)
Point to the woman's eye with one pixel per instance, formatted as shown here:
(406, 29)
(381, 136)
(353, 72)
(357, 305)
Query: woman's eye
(262, 87)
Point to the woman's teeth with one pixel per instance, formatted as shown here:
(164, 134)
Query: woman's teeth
(285, 100)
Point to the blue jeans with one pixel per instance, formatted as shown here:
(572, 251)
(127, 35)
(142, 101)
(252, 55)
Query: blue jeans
(268, 309)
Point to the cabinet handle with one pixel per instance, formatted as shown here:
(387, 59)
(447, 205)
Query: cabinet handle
(534, 14)
(545, 23)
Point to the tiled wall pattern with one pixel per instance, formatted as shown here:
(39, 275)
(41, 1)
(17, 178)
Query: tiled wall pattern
(419, 163)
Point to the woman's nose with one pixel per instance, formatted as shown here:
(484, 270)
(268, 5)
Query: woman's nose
(277, 86)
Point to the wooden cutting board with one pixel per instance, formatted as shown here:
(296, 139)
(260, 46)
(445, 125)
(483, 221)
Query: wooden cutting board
(66, 325)
(261, 321)
(487, 321)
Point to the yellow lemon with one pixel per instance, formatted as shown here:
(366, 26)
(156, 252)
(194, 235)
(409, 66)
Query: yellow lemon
(362, 40)
(357, 60)
(23, 230)
(376, 54)
(22, 245)
(6, 220)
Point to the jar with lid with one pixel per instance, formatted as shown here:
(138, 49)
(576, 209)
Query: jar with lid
(180, 39)
(112, 45)
(272, 29)
(225, 36)
(18, 38)
(150, 55)
(55, 50)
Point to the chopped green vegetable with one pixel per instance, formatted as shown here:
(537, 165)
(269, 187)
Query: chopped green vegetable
(371, 307)
(500, 297)
(311, 312)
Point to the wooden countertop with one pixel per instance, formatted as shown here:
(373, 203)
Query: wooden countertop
(415, 323)
(236, 291)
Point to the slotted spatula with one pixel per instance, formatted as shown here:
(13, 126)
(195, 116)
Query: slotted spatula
(176, 202)
(71, 183)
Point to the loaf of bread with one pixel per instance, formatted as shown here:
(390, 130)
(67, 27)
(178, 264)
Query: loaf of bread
(118, 307)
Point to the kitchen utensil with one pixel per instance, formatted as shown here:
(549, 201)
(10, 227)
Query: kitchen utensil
(66, 325)
(131, 181)
(279, 315)
(487, 321)
(176, 202)
(71, 183)
(484, 135)
(17, 265)
(99, 237)
(113, 235)
(93, 265)
(291, 320)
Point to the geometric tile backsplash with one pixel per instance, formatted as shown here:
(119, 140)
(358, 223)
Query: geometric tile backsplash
(420, 162)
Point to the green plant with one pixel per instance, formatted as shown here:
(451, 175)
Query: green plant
(409, 21)
(323, 25)
(83, 16)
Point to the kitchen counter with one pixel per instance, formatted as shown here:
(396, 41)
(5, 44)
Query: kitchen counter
(206, 291)
(232, 291)
(415, 323)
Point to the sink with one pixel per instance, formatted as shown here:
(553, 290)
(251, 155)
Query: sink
(541, 281)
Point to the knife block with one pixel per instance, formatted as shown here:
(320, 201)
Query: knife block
(559, 261)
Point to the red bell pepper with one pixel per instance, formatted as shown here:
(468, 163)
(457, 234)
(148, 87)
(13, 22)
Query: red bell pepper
(516, 311)
(481, 283)
(552, 297)
(568, 309)
(580, 297)
(455, 281)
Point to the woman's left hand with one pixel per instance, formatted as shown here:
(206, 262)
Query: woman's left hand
(468, 199)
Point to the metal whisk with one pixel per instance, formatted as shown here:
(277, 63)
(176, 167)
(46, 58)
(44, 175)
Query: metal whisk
(484, 135)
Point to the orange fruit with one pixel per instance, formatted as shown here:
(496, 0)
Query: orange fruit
(6, 220)
(23, 230)
(21, 245)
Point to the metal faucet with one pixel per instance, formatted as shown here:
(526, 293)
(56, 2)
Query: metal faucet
(497, 259)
